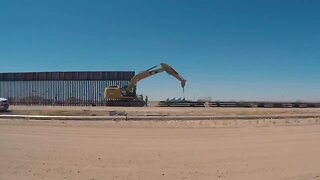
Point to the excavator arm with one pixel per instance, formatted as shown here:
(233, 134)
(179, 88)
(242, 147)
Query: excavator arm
(152, 71)
(174, 73)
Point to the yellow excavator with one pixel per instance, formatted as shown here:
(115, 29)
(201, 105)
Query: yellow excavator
(126, 96)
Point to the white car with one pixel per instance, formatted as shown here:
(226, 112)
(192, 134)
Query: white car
(4, 104)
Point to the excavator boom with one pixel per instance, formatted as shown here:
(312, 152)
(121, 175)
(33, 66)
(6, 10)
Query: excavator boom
(152, 71)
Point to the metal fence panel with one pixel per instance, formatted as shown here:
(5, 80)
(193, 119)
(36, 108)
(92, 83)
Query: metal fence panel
(60, 88)
(67, 76)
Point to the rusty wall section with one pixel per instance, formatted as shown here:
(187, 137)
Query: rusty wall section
(60, 88)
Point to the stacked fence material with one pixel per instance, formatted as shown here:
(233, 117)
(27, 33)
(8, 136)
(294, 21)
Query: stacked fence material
(228, 104)
(181, 103)
(264, 104)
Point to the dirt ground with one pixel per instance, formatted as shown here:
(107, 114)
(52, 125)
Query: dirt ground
(143, 150)
(155, 111)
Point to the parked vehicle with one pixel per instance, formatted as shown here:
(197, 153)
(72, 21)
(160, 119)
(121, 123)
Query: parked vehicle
(4, 104)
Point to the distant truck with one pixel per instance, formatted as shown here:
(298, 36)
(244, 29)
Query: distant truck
(4, 104)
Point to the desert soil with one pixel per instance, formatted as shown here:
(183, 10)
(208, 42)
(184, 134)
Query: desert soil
(155, 111)
(143, 150)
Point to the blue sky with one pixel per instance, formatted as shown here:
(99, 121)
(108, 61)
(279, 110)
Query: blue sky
(227, 50)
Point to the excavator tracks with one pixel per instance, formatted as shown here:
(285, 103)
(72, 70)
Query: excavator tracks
(126, 103)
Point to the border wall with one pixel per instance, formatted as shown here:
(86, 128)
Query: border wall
(60, 88)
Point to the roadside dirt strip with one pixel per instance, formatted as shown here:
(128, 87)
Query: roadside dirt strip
(237, 117)
(157, 150)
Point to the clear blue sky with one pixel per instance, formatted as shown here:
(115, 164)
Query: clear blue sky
(228, 50)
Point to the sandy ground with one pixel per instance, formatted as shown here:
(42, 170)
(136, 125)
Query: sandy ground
(95, 150)
(155, 111)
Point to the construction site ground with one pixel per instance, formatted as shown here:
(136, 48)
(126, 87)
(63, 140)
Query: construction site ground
(284, 149)
(154, 111)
